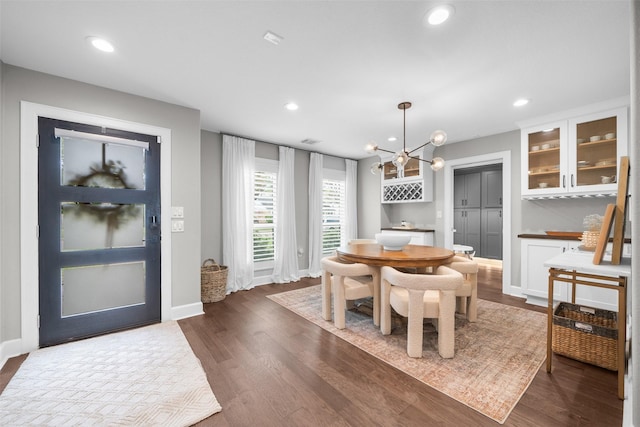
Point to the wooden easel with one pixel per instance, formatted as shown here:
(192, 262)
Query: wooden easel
(621, 211)
(617, 211)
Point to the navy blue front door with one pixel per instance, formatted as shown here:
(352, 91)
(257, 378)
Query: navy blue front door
(99, 230)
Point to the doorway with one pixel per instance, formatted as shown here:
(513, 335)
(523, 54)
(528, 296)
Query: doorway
(503, 158)
(477, 207)
(99, 230)
(29, 245)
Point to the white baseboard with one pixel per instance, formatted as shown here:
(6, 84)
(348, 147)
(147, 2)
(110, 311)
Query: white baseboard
(516, 291)
(187, 310)
(9, 349)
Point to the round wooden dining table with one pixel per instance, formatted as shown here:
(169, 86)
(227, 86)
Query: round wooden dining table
(411, 256)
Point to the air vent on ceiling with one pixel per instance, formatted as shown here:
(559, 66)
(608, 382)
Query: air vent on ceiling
(272, 38)
(309, 141)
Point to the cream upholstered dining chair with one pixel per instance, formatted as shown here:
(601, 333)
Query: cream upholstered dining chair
(467, 294)
(348, 282)
(418, 297)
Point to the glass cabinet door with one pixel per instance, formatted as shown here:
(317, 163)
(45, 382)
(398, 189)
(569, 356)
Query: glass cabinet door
(389, 171)
(412, 168)
(545, 159)
(596, 153)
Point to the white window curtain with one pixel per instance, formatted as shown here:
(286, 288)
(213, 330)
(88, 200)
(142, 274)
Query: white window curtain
(237, 211)
(285, 267)
(315, 215)
(351, 202)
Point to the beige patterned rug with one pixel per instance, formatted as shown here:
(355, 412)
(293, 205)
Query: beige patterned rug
(146, 376)
(496, 357)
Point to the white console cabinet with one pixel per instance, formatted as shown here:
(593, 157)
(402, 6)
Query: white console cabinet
(535, 276)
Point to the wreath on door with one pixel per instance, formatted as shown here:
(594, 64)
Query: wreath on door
(109, 174)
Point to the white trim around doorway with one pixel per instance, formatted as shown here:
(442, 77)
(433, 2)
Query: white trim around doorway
(29, 113)
(503, 157)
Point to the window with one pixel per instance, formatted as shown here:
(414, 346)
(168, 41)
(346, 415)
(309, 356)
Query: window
(333, 209)
(265, 180)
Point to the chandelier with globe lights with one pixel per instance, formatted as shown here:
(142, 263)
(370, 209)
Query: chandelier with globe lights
(400, 158)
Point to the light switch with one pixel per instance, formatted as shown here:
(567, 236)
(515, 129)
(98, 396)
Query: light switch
(177, 226)
(177, 211)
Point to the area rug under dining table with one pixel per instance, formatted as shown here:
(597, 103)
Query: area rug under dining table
(146, 376)
(496, 357)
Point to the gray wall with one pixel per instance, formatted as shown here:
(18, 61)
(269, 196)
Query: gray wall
(20, 84)
(369, 212)
(211, 183)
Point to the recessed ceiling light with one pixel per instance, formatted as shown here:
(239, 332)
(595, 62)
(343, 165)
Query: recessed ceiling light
(520, 102)
(291, 106)
(392, 139)
(439, 14)
(100, 44)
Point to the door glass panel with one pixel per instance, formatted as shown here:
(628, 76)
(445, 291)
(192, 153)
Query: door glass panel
(87, 226)
(100, 287)
(91, 163)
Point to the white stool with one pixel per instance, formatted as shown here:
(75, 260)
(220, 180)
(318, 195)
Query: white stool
(465, 250)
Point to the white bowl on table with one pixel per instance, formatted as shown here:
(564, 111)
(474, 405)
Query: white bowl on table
(393, 241)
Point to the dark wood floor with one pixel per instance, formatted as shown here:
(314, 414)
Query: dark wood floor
(269, 367)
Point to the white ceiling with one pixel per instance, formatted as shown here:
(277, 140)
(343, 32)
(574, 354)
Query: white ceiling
(346, 63)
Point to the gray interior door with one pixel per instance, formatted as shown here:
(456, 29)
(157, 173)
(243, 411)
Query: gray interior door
(99, 230)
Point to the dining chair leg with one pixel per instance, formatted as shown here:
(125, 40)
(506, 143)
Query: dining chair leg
(385, 307)
(339, 306)
(326, 295)
(375, 273)
(472, 309)
(461, 305)
(414, 323)
(446, 324)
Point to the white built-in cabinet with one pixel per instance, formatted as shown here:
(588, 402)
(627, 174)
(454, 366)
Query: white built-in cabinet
(413, 183)
(535, 276)
(574, 156)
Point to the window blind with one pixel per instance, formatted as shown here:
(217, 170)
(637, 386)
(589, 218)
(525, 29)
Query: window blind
(333, 213)
(264, 215)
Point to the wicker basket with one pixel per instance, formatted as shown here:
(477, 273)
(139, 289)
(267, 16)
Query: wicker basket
(213, 281)
(590, 239)
(586, 334)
